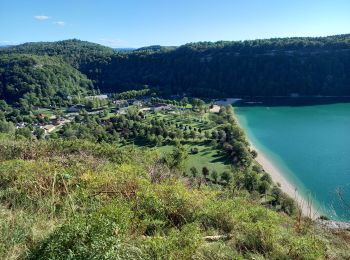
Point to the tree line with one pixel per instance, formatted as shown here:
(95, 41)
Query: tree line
(269, 67)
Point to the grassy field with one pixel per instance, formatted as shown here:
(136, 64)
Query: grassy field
(207, 156)
(45, 111)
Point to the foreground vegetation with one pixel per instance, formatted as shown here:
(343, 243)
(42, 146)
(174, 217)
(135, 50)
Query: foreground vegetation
(81, 200)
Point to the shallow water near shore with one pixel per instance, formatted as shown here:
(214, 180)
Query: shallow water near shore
(309, 142)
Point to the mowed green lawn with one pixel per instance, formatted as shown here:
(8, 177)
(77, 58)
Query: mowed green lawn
(45, 111)
(207, 156)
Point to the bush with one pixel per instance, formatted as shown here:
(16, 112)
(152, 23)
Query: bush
(96, 236)
(178, 244)
(218, 215)
(194, 150)
(308, 247)
(170, 203)
(226, 176)
(216, 250)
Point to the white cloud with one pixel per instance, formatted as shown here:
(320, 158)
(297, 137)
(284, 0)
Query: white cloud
(41, 17)
(60, 23)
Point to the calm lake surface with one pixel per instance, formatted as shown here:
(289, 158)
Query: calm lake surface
(310, 144)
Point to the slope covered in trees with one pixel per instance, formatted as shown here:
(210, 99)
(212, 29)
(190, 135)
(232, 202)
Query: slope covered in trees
(39, 79)
(75, 52)
(272, 67)
(308, 66)
(85, 56)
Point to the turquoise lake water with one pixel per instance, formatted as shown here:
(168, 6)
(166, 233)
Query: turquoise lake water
(310, 145)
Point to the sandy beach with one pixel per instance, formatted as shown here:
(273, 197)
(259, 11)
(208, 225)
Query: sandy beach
(277, 176)
(305, 204)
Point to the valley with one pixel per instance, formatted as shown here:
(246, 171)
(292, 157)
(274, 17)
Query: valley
(113, 155)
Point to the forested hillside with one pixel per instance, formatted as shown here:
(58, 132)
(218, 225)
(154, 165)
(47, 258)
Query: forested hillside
(85, 56)
(307, 66)
(39, 79)
(75, 52)
(253, 68)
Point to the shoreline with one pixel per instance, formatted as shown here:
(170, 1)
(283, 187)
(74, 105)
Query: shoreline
(305, 204)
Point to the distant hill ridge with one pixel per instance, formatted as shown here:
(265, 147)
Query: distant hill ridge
(268, 67)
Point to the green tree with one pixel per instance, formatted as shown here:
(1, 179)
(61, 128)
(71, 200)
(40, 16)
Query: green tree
(226, 176)
(39, 133)
(194, 172)
(215, 176)
(178, 157)
(205, 172)
(7, 127)
(25, 132)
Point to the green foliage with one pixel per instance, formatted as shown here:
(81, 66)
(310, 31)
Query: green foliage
(268, 67)
(38, 80)
(77, 197)
(179, 244)
(133, 93)
(96, 236)
(75, 52)
(6, 127)
(178, 157)
(80, 200)
(255, 68)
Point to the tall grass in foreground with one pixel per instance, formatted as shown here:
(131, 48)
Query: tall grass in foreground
(77, 200)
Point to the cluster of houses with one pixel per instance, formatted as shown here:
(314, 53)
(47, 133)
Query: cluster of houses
(120, 106)
(144, 105)
(55, 122)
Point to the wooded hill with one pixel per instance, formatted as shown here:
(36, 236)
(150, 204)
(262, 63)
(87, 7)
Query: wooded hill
(281, 66)
(39, 79)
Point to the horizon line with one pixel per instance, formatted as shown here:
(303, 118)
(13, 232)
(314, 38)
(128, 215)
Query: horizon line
(10, 43)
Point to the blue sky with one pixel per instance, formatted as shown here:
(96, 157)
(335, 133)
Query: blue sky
(136, 23)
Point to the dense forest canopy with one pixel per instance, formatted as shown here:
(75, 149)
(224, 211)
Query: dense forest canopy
(39, 79)
(74, 51)
(308, 66)
(270, 67)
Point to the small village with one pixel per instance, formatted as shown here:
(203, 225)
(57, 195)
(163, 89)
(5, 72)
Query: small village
(50, 120)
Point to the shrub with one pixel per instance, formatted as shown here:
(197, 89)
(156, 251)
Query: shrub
(226, 176)
(178, 244)
(216, 250)
(218, 215)
(96, 236)
(306, 248)
(194, 150)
